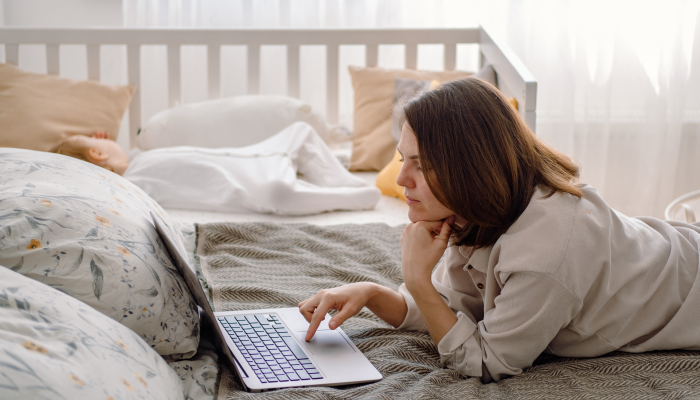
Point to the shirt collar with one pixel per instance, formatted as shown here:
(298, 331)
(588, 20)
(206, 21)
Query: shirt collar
(479, 258)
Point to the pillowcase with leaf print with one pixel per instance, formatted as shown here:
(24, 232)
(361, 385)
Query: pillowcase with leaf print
(53, 346)
(88, 233)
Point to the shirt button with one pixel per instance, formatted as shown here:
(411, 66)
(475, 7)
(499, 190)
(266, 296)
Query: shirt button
(470, 267)
(480, 285)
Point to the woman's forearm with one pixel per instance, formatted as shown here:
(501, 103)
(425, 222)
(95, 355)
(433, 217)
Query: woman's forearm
(421, 249)
(438, 316)
(388, 305)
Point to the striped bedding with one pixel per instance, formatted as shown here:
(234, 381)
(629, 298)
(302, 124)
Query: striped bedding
(265, 264)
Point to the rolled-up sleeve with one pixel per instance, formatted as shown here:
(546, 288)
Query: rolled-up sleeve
(461, 337)
(530, 311)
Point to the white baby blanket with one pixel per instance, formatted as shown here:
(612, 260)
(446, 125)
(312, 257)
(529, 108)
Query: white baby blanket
(293, 173)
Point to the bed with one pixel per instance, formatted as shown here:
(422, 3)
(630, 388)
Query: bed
(248, 260)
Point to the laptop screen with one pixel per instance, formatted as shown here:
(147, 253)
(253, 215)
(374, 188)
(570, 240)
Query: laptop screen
(180, 262)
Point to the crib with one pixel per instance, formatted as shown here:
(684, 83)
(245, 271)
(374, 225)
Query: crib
(513, 77)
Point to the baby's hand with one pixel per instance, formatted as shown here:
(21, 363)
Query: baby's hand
(101, 135)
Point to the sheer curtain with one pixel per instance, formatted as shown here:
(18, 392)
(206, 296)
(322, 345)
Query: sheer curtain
(618, 89)
(618, 81)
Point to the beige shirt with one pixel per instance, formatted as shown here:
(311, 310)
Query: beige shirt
(571, 277)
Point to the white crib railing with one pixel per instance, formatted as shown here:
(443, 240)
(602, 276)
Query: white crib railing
(510, 70)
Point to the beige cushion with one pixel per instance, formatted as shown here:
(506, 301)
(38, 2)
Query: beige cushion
(373, 146)
(404, 91)
(37, 111)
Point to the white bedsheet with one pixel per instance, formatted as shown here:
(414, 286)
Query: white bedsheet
(262, 178)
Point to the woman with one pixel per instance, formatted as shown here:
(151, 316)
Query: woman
(533, 261)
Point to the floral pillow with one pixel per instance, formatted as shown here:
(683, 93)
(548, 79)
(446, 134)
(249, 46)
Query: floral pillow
(88, 233)
(53, 346)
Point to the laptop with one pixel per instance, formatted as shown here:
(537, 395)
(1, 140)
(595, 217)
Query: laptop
(266, 348)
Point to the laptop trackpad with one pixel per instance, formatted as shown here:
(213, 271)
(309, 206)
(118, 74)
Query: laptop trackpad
(326, 343)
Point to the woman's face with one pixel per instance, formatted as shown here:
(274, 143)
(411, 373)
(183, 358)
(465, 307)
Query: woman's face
(422, 204)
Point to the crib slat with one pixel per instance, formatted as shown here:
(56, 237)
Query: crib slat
(133, 62)
(371, 55)
(52, 56)
(93, 61)
(332, 84)
(411, 55)
(214, 65)
(293, 71)
(450, 56)
(173, 75)
(12, 54)
(253, 69)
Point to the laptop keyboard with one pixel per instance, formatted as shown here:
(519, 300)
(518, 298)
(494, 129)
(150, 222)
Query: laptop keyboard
(269, 348)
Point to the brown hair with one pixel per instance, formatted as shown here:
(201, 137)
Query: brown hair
(481, 160)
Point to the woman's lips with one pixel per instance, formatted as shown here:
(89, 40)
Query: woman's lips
(410, 201)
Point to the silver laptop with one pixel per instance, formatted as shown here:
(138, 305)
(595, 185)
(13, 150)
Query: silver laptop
(266, 347)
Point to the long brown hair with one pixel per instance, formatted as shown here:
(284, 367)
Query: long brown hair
(481, 160)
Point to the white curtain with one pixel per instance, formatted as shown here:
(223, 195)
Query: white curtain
(618, 89)
(299, 13)
(618, 81)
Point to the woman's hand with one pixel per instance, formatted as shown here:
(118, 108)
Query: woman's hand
(422, 245)
(349, 300)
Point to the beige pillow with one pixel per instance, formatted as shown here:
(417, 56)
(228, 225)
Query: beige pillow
(404, 91)
(37, 111)
(373, 146)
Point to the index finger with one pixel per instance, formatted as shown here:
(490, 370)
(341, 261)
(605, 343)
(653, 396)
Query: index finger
(318, 316)
(432, 227)
(445, 231)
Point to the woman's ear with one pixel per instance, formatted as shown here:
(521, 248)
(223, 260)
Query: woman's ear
(97, 156)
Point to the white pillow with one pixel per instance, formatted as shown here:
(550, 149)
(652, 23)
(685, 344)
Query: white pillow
(231, 122)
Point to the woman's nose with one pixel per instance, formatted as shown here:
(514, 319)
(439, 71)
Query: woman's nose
(403, 179)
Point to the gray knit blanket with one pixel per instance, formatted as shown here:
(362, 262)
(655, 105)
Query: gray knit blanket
(263, 265)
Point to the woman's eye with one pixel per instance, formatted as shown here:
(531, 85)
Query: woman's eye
(401, 160)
